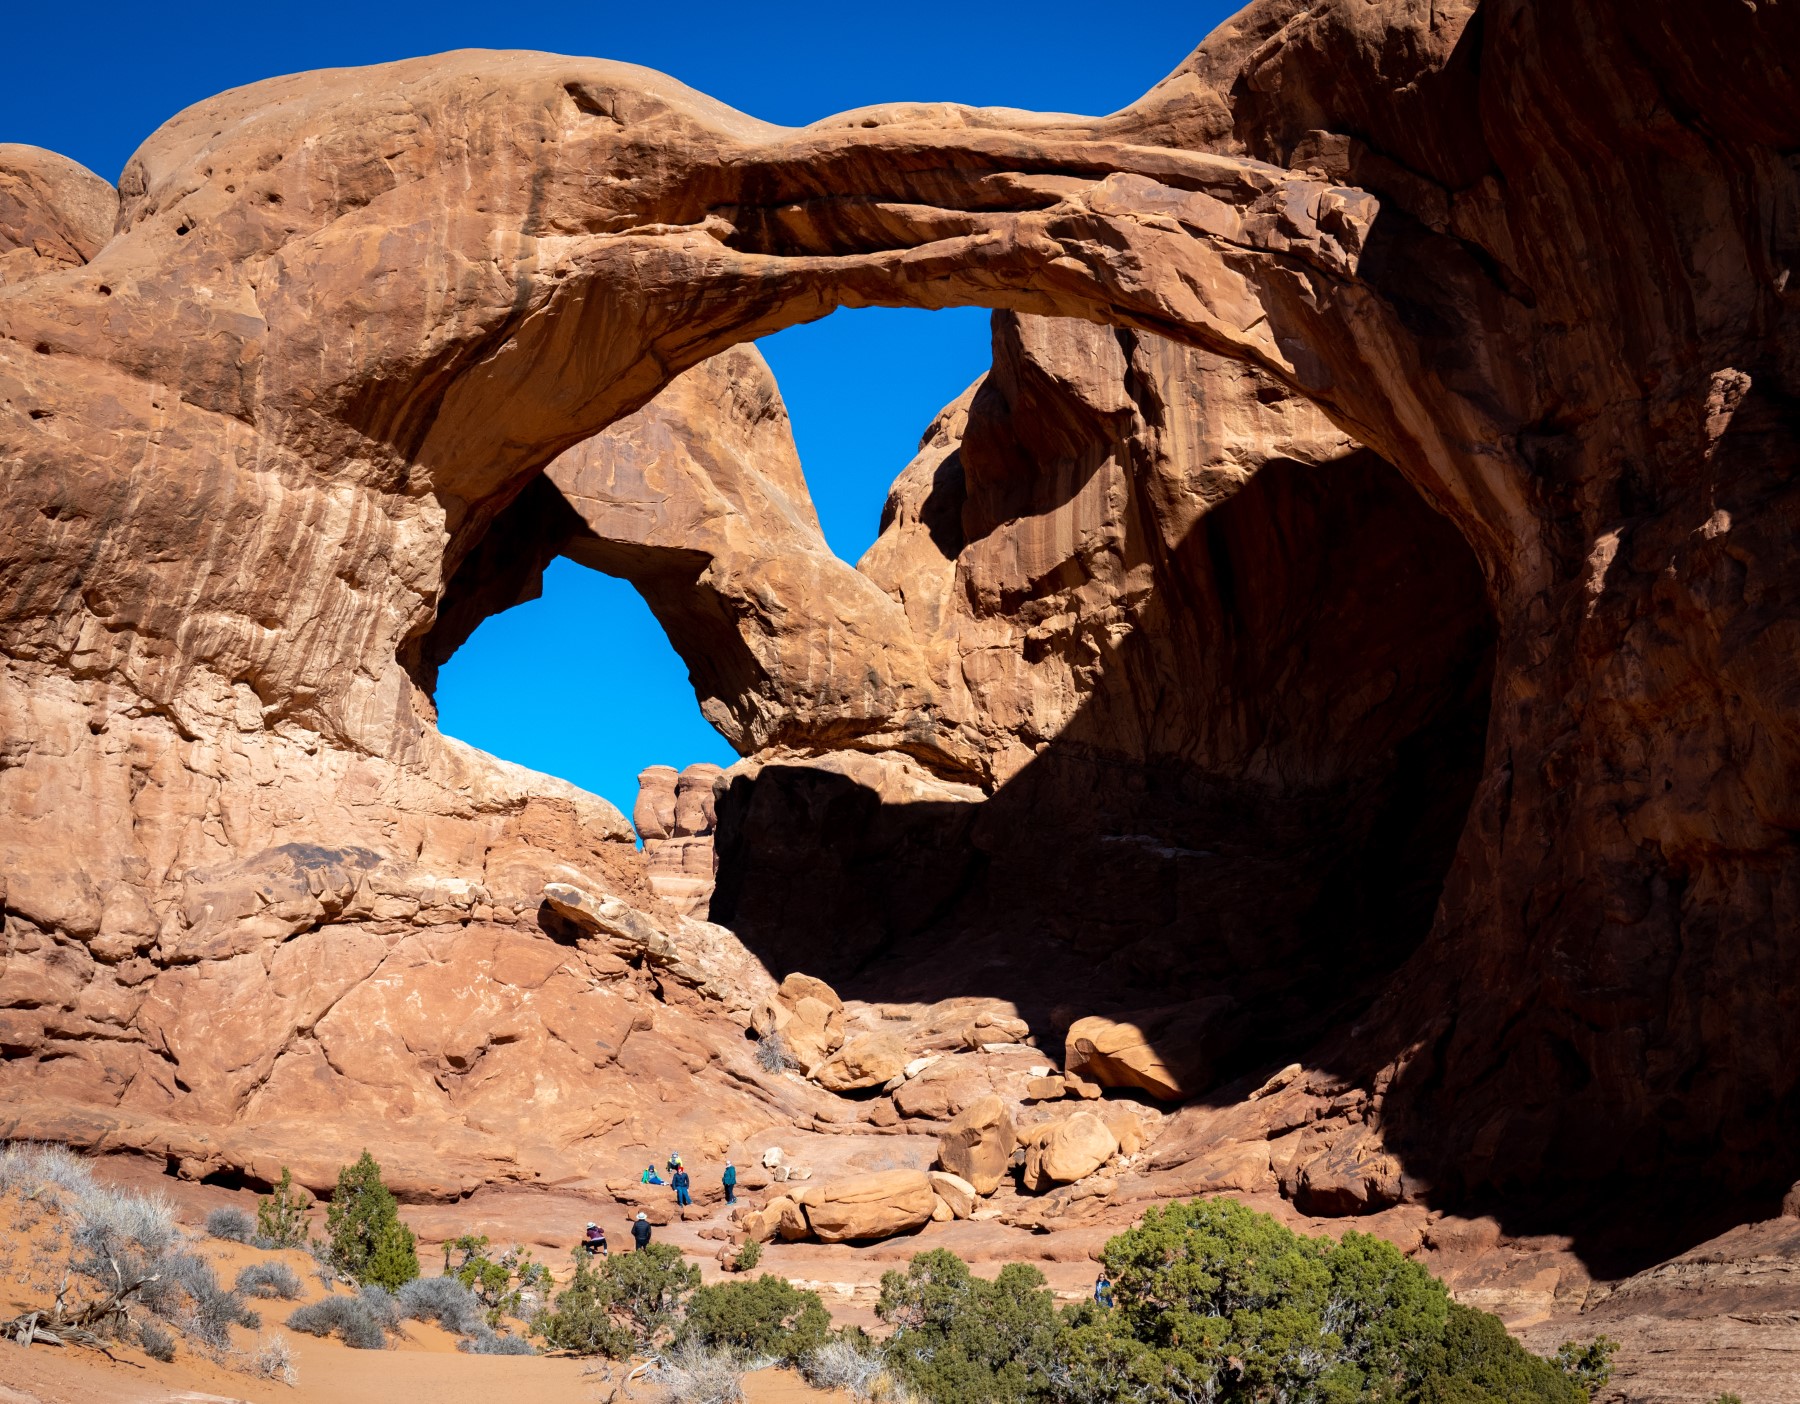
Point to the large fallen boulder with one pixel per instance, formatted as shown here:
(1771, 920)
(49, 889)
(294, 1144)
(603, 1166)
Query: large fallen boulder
(808, 1015)
(868, 1061)
(1171, 1052)
(1062, 1152)
(978, 1143)
(1353, 1173)
(942, 1090)
(876, 1205)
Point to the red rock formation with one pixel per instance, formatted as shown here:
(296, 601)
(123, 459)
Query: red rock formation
(275, 446)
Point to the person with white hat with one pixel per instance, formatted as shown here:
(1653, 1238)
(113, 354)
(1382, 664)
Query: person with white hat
(640, 1231)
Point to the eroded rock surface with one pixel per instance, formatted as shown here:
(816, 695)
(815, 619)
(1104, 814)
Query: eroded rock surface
(1362, 589)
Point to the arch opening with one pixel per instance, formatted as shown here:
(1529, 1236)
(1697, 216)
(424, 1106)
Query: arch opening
(1155, 690)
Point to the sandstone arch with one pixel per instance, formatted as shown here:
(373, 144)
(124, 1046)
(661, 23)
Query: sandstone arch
(1536, 258)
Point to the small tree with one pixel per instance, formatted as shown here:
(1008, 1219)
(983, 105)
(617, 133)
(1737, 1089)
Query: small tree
(629, 1303)
(748, 1256)
(281, 1217)
(767, 1317)
(369, 1243)
(582, 1320)
(961, 1339)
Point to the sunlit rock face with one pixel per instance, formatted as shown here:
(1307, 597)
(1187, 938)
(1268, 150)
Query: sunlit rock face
(1362, 591)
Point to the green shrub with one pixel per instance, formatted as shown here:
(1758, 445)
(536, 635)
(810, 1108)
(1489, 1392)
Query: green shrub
(960, 1339)
(628, 1303)
(769, 1317)
(748, 1256)
(1590, 1365)
(1219, 1303)
(369, 1244)
(1476, 1362)
(281, 1216)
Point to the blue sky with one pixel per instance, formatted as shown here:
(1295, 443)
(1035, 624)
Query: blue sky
(861, 386)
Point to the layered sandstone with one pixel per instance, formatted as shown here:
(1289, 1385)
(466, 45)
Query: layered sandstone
(1361, 591)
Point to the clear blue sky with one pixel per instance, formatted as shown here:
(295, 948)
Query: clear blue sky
(94, 80)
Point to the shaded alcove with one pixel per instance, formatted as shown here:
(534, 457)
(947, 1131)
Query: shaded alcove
(1290, 859)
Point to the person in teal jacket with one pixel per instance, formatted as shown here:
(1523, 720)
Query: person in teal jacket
(730, 1183)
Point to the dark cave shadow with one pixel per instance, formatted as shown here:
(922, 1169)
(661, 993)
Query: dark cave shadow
(1329, 637)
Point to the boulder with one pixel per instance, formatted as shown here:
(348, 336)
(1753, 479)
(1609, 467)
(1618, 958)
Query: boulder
(988, 1028)
(868, 1061)
(798, 987)
(780, 1217)
(942, 1090)
(954, 1191)
(1062, 1152)
(1125, 1126)
(814, 1031)
(1353, 1175)
(876, 1205)
(770, 1016)
(1045, 1089)
(1169, 1052)
(978, 1144)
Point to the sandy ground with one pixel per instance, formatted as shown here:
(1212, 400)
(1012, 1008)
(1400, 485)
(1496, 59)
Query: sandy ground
(331, 1374)
(423, 1365)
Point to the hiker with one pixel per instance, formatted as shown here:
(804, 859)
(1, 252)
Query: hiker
(1103, 1290)
(674, 1162)
(595, 1242)
(650, 1177)
(681, 1183)
(640, 1232)
(730, 1182)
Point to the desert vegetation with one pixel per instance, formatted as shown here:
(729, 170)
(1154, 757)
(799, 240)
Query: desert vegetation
(105, 1266)
(1209, 1301)
(1212, 1301)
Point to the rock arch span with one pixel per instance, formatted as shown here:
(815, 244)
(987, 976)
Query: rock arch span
(1535, 260)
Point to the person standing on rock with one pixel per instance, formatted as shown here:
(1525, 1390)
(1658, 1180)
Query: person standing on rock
(729, 1180)
(640, 1231)
(681, 1183)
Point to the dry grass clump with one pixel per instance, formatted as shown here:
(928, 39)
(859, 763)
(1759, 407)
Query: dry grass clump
(274, 1360)
(697, 1374)
(856, 1367)
(350, 1319)
(232, 1225)
(271, 1279)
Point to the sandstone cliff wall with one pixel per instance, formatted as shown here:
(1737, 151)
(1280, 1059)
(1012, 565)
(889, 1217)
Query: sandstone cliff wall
(261, 423)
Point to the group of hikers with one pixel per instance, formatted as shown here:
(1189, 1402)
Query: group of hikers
(679, 1181)
(594, 1243)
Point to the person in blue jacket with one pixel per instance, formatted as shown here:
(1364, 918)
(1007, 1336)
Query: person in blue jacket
(681, 1186)
(730, 1183)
